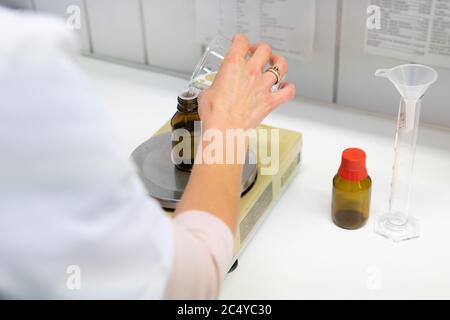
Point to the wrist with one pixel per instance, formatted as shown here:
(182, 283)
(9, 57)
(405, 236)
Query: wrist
(219, 123)
(221, 144)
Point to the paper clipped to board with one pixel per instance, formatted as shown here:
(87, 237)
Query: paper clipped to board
(287, 25)
(413, 30)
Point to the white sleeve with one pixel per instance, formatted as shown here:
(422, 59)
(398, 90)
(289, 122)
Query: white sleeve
(75, 221)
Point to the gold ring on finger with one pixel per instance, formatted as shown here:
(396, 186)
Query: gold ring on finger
(276, 71)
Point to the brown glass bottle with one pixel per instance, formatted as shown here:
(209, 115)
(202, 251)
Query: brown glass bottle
(352, 188)
(187, 118)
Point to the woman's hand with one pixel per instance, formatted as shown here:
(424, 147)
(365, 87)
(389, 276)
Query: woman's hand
(241, 95)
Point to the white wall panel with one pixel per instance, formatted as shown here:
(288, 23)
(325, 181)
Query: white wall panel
(59, 8)
(359, 88)
(18, 4)
(170, 38)
(170, 34)
(314, 78)
(116, 29)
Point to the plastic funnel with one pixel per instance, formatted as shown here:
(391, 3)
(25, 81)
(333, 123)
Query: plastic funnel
(411, 81)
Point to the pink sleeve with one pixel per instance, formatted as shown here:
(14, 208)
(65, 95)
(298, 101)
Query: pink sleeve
(203, 254)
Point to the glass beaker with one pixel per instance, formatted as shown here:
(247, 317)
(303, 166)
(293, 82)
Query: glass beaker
(205, 72)
(206, 69)
(411, 81)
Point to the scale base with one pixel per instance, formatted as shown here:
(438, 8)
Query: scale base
(234, 266)
(397, 226)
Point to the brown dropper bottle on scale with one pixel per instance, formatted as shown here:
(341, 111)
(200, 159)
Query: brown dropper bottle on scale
(185, 125)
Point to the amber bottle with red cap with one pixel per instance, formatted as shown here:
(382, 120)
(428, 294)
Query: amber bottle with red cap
(352, 188)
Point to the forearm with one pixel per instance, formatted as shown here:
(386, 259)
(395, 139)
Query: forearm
(214, 188)
(203, 254)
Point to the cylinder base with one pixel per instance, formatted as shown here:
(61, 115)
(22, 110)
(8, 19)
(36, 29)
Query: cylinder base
(397, 226)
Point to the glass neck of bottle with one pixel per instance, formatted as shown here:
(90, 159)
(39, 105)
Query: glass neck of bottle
(187, 107)
(187, 102)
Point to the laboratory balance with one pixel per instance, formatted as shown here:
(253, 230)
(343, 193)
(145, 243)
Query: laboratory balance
(165, 182)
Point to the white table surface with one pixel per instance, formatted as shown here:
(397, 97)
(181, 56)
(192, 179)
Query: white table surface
(298, 252)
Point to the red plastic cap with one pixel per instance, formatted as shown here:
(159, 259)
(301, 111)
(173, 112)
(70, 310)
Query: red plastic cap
(353, 165)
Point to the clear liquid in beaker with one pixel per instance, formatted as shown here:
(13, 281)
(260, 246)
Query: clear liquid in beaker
(205, 72)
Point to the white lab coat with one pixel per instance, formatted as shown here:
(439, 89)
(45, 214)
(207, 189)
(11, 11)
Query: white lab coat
(75, 221)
